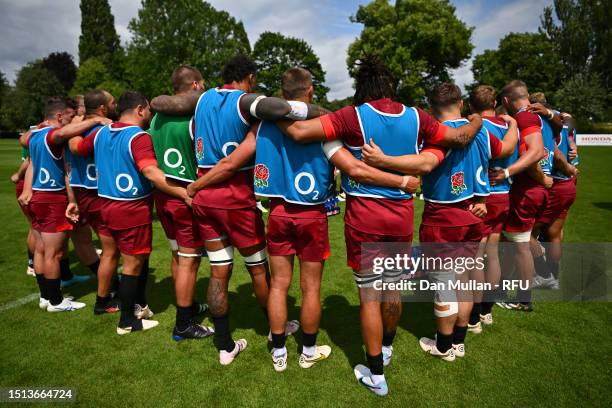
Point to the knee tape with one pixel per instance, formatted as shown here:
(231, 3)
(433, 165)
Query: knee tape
(518, 236)
(445, 309)
(223, 256)
(257, 258)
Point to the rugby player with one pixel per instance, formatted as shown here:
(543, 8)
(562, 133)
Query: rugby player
(18, 179)
(483, 101)
(561, 196)
(127, 171)
(399, 130)
(46, 193)
(83, 180)
(174, 148)
(529, 193)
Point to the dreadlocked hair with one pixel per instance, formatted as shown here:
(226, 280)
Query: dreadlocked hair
(373, 80)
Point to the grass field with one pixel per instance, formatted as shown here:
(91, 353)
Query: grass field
(560, 355)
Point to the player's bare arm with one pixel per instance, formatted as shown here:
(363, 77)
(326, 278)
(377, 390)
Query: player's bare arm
(563, 165)
(24, 139)
(365, 174)
(228, 166)
(555, 121)
(72, 209)
(413, 164)
(26, 195)
(535, 151)
(177, 105)
(159, 181)
(510, 139)
(458, 138)
(537, 174)
(74, 129)
(21, 171)
(73, 144)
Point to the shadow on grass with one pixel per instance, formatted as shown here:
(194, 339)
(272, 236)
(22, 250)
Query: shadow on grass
(603, 205)
(341, 322)
(418, 319)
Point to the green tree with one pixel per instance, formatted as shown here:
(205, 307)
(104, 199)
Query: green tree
(580, 32)
(34, 85)
(93, 74)
(98, 37)
(420, 41)
(274, 54)
(61, 64)
(169, 33)
(583, 96)
(529, 57)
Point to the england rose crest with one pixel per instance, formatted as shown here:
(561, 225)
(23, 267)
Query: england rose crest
(544, 161)
(458, 183)
(199, 149)
(262, 174)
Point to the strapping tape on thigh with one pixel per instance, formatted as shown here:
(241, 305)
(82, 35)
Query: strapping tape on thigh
(223, 256)
(257, 258)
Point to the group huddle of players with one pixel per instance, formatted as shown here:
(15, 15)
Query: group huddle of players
(205, 154)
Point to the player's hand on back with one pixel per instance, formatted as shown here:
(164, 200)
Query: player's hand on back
(372, 154)
(77, 119)
(478, 209)
(539, 109)
(496, 176)
(191, 191)
(72, 212)
(104, 121)
(508, 119)
(548, 182)
(412, 185)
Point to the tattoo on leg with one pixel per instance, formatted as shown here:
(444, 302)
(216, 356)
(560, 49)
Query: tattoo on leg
(217, 297)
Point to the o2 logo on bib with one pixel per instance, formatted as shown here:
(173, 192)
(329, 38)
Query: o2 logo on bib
(173, 159)
(45, 178)
(304, 184)
(91, 172)
(125, 183)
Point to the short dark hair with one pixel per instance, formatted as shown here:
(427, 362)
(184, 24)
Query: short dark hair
(515, 90)
(373, 80)
(444, 95)
(483, 98)
(131, 100)
(184, 76)
(94, 99)
(71, 103)
(54, 105)
(295, 82)
(238, 68)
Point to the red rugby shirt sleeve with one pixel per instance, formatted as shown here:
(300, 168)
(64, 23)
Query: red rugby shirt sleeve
(528, 123)
(56, 149)
(438, 151)
(495, 144)
(430, 130)
(86, 145)
(343, 124)
(143, 152)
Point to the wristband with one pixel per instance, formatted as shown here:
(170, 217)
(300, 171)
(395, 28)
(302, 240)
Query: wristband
(405, 180)
(299, 110)
(506, 173)
(252, 109)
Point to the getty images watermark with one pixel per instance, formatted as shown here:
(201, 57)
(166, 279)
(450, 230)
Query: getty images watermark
(465, 271)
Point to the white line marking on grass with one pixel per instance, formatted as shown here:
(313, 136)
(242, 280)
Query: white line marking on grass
(19, 302)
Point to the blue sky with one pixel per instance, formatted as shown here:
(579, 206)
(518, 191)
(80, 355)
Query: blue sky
(323, 24)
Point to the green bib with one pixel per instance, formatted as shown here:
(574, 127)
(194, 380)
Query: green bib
(25, 153)
(173, 146)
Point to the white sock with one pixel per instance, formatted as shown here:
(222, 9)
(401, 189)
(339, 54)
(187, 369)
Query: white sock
(277, 352)
(387, 350)
(378, 378)
(309, 351)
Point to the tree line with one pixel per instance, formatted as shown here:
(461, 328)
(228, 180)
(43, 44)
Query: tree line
(420, 40)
